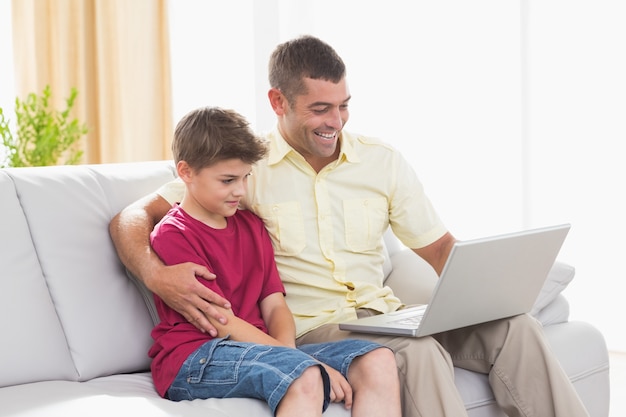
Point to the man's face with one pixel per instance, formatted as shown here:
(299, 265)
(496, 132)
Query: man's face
(312, 123)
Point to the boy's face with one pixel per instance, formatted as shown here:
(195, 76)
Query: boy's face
(214, 192)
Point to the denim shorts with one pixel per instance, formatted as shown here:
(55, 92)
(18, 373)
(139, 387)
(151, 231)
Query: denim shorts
(222, 368)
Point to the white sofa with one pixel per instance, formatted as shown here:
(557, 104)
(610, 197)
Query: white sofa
(76, 330)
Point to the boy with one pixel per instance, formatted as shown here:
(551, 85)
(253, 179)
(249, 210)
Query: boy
(254, 354)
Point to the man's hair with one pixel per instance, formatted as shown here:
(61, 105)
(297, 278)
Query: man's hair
(303, 57)
(209, 135)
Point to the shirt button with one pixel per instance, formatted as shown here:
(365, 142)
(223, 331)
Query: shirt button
(203, 361)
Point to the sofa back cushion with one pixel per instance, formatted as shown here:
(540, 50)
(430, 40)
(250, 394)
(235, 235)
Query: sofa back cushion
(33, 345)
(72, 312)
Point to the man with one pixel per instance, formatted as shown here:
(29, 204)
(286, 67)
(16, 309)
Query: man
(326, 197)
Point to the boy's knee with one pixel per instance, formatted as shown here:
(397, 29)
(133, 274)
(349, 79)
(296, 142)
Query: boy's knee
(381, 359)
(385, 356)
(311, 378)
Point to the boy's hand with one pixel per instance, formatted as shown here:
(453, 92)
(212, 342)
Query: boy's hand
(340, 389)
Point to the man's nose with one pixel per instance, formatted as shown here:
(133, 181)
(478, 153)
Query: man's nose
(334, 119)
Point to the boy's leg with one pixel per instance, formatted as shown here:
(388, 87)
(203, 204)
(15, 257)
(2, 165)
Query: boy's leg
(374, 379)
(227, 369)
(302, 395)
(424, 368)
(526, 378)
(370, 368)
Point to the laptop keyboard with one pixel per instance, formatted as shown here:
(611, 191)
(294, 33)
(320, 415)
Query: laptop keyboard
(410, 321)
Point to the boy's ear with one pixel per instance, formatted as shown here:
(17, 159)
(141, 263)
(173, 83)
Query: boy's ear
(184, 171)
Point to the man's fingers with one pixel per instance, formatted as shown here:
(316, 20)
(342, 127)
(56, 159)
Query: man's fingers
(208, 297)
(207, 294)
(201, 322)
(203, 272)
(181, 290)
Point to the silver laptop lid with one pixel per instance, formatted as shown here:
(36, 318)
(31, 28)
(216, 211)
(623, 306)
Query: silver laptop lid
(494, 277)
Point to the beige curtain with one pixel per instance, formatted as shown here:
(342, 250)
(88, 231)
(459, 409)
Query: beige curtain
(116, 54)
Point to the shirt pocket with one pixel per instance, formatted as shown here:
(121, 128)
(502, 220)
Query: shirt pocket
(285, 224)
(365, 221)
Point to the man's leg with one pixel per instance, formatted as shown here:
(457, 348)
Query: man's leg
(424, 368)
(526, 378)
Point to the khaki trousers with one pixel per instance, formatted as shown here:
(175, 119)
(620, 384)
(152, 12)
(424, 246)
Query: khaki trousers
(525, 377)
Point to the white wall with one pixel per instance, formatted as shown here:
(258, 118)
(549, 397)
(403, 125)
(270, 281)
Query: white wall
(212, 55)
(440, 80)
(577, 131)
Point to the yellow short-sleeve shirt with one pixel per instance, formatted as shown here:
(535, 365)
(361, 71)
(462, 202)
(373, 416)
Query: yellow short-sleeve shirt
(327, 227)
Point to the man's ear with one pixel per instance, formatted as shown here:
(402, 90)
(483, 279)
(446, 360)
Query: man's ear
(277, 101)
(184, 171)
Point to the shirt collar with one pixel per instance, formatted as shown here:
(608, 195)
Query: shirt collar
(279, 148)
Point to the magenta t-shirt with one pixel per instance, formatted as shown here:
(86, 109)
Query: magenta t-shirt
(242, 257)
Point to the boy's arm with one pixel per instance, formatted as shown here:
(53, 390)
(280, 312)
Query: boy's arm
(240, 330)
(177, 284)
(278, 319)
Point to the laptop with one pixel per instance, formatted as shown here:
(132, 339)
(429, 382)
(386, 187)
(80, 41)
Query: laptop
(483, 279)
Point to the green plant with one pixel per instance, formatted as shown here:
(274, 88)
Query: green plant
(44, 136)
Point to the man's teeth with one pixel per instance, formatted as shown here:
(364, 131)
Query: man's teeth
(326, 135)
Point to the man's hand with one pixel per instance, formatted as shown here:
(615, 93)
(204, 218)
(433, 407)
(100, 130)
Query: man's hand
(178, 287)
(177, 284)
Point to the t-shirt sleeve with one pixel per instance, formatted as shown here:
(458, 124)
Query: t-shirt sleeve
(173, 248)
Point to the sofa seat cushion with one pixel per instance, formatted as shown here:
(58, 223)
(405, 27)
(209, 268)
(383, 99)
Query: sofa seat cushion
(134, 395)
(124, 395)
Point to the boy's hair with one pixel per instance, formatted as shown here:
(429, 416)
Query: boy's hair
(209, 135)
(303, 57)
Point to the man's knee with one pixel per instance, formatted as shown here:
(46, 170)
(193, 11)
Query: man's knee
(527, 323)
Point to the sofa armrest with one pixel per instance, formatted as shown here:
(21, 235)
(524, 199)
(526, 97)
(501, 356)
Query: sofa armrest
(558, 279)
(554, 313)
